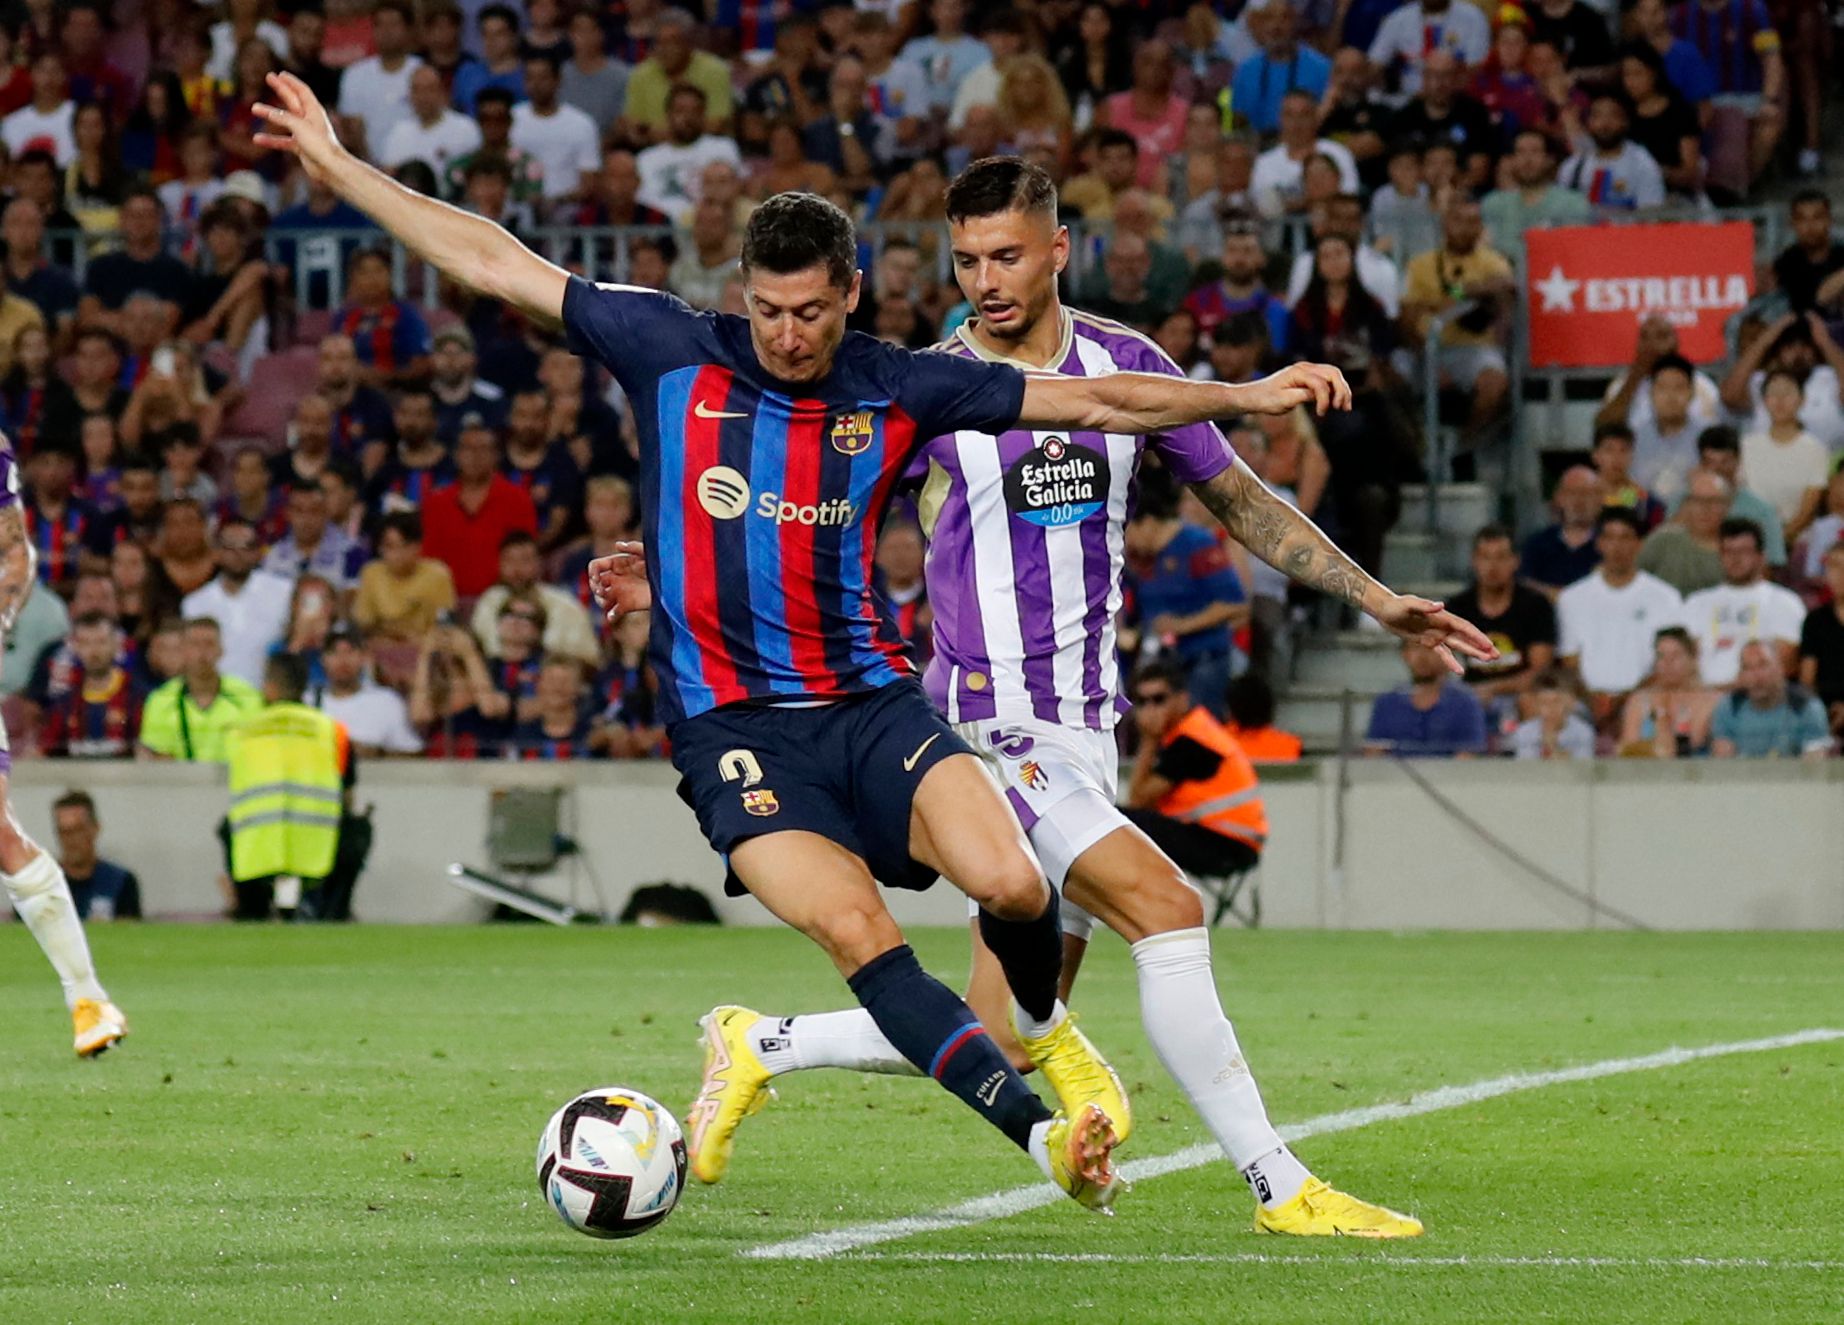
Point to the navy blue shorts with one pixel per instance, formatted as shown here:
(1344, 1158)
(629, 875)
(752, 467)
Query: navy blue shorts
(846, 771)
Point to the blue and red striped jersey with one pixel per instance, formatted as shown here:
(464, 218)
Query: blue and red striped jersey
(760, 499)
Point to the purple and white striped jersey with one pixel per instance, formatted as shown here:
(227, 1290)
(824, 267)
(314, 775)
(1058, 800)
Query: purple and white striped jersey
(9, 473)
(1026, 545)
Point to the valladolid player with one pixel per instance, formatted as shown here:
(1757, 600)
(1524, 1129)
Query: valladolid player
(770, 445)
(34, 882)
(1024, 575)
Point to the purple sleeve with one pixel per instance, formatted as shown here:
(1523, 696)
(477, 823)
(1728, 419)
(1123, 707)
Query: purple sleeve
(9, 474)
(1196, 452)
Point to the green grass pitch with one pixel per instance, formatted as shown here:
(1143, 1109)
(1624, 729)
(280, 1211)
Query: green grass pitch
(338, 1124)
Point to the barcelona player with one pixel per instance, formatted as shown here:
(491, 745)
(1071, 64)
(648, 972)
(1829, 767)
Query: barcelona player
(1024, 566)
(770, 445)
(34, 882)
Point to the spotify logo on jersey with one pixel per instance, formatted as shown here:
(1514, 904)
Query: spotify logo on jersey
(1058, 482)
(723, 492)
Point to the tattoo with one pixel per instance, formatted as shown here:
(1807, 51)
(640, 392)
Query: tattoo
(16, 564)
(1280, 535)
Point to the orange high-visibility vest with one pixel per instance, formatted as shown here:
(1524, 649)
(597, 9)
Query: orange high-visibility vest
(1229, 802)
(1268, 745)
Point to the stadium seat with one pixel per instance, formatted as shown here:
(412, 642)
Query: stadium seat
(276, 382)
(1228, 891)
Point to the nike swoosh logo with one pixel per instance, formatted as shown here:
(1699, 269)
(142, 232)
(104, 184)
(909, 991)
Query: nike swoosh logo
(988, 1098)
(909, 764)
(704, 411)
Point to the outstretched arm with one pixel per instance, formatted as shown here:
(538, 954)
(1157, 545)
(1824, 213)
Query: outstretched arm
(1152, 402)
(1293, 544)
(468, 248)
(18, 564)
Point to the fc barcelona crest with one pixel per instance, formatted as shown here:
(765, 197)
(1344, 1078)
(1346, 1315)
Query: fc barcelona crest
(761, 803)
(851, 433)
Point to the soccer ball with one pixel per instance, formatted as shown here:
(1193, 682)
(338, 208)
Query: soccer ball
(611, 1162)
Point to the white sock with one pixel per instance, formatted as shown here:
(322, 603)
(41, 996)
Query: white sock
(1185, 1022)
(1038, 1147)
(848, 1039)
(41, 896)
(1033, 1029)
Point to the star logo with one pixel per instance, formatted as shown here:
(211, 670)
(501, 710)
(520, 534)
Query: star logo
(1558, 291)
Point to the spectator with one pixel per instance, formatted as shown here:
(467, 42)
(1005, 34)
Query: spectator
(1414, 31)
(846, 139)
(418, 464)
(559, 137)
(591, 432)
(1351, 113)
(947, 55)
(499, 70)
(57, 523)
(374, 93)
(1239, 349)
(316, 260)
(1096, 59)
(431, 133)
(1282, 67)
(1629, 396)
(1434, 716)
(358, 417)
(1187, 596)
(1765, 718)
(1744, 607)
(567, 628)
(458, 390)
(1555, 729)
(1579, 34)
(189, 717)
(709, 262)
(516, 656)
(1116, 171)
(312, 546)
(388, 335)
(100, 889)
(402, 594)
(228, 305)
(1280, 171)
(1337, 318)
(674, 63)
(47, 123)
(1343, 216)
(670, 170)
(198, 183)
(38, 631)
(1518, 620)
(1193, 790)
(251, 498)
(559, 725)
(1738, 43)
(1821, 643)
(464, 523)
(542, 467)
(901, 552)
(139, 267)
(1441, 112)
(1795, 344)
(1686, 552)
(182, 453)
(17, 314)
(375, 717)
(101, 450)
(142, 594)
(1126, 297)
(592, 82)
(303, 55)
(1805, 269)
(1037, 115)
(34, 392)
(1464, 270)
(1239, 290)
(1610, 618)
(1820, 536)
(1665, 440)
(99, 714)
(243, 21)
(1613, 171)
(1670, 717)
(36, 178)
(28, 275)
(1613, 462)
(1562, 553)
(1662, 122)
(138, 518)
(1251, 722)
(1003, 34)
(1201, 224)
(453, 700)
(312, 611)
(247, 604)
(1785, 464)
(1533, 198)
(521, 171)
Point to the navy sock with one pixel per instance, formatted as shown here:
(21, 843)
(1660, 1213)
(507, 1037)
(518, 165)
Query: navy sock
(935, 1030)
(1030, 952)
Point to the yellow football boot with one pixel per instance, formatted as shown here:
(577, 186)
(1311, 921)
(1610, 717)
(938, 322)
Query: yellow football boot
(1079, 1157)
(99, 1026)
(1078, 1073)
(1322, 1211)
(735, 1086)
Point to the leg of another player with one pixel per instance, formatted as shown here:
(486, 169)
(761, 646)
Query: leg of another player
(990, 997)
(828, 894)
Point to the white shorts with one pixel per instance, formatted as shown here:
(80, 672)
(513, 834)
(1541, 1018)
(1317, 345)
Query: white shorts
(1463, 365)
(1061, 783)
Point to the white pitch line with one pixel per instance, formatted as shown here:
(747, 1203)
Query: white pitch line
(1000, 1205)
(1385, 1261)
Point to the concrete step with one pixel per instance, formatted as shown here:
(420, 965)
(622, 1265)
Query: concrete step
(1439, 590)
(1364, 660)
(1461, 509)
(1410, 554)
(1316, 709)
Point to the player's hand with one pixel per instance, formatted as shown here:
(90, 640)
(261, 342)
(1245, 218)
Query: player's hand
(1318, 386)
(619, 581)
(1436, 628)
(299, 125)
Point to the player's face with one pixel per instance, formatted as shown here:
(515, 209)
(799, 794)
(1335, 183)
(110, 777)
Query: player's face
(1007, 265)
(797, 319)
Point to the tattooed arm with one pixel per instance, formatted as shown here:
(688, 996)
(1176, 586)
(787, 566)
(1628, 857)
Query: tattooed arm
(18, 564)
(1293, 544)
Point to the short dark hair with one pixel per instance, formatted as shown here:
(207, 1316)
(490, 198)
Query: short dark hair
(1740, 526)
(346, 471)
(998, 184)
(210, 623)
(1613, 429)
(532, 55)
(1667, 362)
(1158, 495)
(402, 8)
(1787, 373)
(93, 619)
(1494, 533)
(1554, 679)
(408, 526)
(1250, 701)
(1808, 197)
(75, 799)
(1625, 515)
(494, 96)
(1679, 633)
(136, 462)
(506, 12)
(794, 231)
(1116, 138)
(1159, 669)
(517, 538)
(1719, 437)
(1241, 329)
(287, 672)
(687, 90)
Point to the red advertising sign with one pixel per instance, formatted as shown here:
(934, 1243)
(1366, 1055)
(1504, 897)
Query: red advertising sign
(1591, 286)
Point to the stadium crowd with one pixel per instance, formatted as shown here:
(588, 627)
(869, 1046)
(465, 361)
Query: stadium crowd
(244, 425)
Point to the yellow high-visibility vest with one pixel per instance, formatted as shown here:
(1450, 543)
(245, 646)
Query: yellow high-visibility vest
(286, 766)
